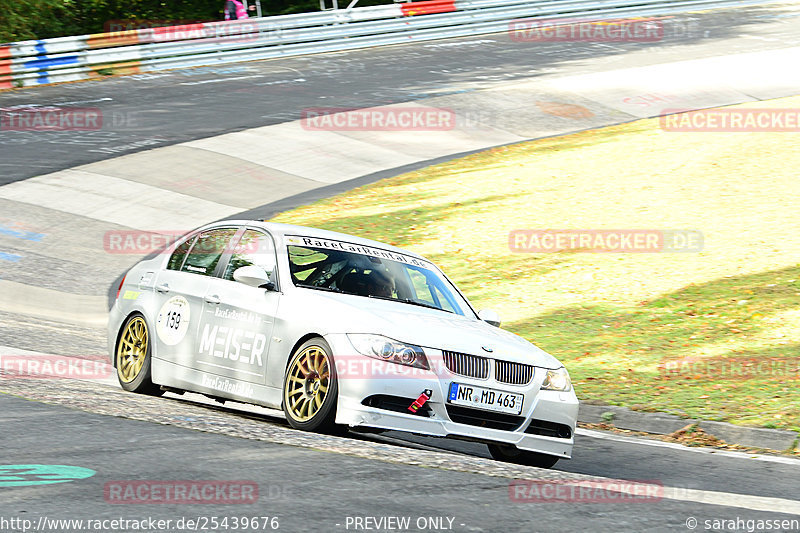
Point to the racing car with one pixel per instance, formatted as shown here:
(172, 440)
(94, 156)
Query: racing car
(339, 332)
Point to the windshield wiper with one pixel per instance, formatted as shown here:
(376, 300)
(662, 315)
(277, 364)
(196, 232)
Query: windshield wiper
(329, 289)
(409, 301)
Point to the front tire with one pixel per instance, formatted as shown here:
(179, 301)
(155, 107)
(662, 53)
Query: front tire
(511, 454)
(310, 388)
(133, 357)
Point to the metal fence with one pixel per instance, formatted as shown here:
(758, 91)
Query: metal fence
(146, 50)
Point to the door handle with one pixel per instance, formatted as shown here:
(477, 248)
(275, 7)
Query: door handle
(164, 287)
(212, 299)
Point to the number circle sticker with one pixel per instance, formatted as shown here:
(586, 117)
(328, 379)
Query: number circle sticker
(173, 321)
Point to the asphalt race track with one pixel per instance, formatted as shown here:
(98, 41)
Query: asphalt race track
(210, 101)
(312, 490)
(346, 482)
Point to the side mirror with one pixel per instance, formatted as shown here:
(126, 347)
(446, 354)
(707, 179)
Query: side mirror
(490, 317)
(254, 276)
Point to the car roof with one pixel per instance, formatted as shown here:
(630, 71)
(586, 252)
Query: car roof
(282, 230)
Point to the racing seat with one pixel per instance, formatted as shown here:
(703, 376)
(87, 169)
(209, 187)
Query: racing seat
(372, 284)
(355, 283)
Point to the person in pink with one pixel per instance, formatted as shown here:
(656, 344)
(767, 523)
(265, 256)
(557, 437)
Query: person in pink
(235, 10)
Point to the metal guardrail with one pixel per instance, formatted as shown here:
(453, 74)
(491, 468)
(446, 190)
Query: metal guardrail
(146, 50)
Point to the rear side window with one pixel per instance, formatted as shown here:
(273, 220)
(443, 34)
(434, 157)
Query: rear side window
(177, 257)
(206, 251)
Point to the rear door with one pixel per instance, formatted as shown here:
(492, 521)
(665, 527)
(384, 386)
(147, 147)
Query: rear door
(180, 289)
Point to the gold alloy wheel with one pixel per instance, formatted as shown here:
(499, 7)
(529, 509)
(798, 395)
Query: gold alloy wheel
(307, 385)
(132, 350)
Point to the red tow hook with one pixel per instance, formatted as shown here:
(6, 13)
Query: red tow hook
(419, 402)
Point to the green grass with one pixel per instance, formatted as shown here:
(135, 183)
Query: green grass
(619, 320)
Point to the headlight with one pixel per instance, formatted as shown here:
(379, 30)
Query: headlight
(387, 349)
(557, 380)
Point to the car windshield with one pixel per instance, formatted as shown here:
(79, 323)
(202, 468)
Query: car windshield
(371, 272)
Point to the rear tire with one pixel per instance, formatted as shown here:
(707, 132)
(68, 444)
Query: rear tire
(511, 454)
(310, 388)
(133, 357)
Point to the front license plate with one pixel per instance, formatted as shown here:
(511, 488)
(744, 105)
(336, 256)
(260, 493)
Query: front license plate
(488, 399)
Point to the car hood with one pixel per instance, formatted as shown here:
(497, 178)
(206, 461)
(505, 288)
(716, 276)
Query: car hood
(424, 327)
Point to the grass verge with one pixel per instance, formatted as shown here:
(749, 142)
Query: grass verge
(710, 335)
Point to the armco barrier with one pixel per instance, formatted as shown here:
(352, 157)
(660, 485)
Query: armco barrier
(151, 49)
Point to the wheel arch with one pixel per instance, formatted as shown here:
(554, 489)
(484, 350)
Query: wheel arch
(298, 344)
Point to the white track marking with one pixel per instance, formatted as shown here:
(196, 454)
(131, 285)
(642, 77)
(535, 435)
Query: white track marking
(81, 309)
(692, 84)
(675, 446)
(115, 200)
(729, 499)
(7, 352)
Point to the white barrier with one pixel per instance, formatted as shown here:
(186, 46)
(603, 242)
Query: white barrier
(145, 50)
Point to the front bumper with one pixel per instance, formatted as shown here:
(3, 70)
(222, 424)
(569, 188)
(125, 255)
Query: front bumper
(550, 409)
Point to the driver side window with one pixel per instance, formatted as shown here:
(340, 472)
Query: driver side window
(253, 249)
